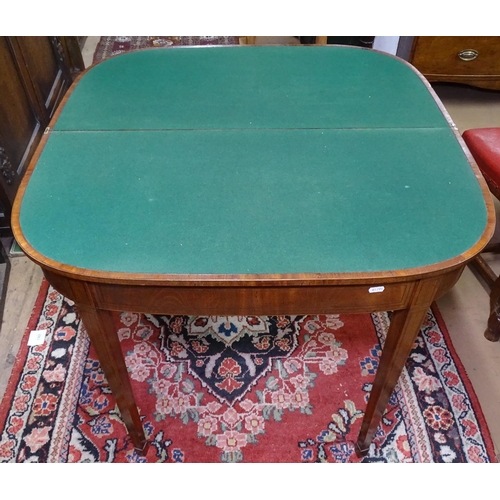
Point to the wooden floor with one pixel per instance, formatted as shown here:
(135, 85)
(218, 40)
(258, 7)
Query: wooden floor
(24, 282)
(465, 308)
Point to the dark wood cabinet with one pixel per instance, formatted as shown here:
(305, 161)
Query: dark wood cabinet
(471, 60)
(35, 73)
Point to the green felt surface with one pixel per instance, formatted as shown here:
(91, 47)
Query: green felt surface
(253, 201)
(250, 87)
(237, 160)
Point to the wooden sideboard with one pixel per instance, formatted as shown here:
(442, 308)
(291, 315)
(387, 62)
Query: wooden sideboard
(36, 72)
(471, 60)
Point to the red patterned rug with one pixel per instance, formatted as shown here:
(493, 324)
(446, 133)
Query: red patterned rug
(237, 389)
(113, 45)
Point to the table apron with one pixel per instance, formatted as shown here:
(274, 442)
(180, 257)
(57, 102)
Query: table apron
(244, 300)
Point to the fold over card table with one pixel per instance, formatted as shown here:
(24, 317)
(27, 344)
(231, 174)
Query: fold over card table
(252, 181)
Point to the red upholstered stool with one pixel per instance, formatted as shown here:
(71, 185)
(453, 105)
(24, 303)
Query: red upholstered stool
(484, 144)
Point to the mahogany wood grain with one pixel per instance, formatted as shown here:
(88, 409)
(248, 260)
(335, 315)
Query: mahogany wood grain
(404, 327)
(101, 331)
(241, 300)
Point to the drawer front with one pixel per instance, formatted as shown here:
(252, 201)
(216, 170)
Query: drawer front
(258, 301)
(457, 55)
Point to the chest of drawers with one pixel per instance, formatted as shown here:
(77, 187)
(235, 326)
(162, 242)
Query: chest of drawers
(461, 59)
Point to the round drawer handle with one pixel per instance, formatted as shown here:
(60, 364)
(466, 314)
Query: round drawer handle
(468, 54)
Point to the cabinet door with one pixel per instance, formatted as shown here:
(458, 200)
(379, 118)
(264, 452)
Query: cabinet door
(35, 73)
(20, 124)
(44, 62)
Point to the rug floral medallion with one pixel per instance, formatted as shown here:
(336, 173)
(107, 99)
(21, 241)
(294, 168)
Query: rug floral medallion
(237, 389)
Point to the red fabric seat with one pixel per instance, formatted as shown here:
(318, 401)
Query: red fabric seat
(484, 144)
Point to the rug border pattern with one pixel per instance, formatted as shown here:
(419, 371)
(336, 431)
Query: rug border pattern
(61, 434)
(405, 393)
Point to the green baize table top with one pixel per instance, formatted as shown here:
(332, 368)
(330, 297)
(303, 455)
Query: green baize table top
(252, 160)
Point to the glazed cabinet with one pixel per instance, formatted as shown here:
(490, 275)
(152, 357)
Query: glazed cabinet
(35, 73)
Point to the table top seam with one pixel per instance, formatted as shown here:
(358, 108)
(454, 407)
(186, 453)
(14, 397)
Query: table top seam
(253, 129)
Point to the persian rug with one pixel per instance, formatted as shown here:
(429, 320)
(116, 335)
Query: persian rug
(113, 45)
(237, 389)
